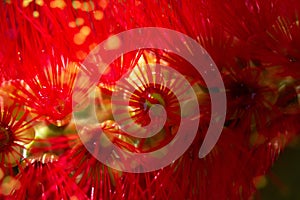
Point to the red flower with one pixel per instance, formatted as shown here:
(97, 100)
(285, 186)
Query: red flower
(99, 181)
(43, 177)
(254, 43)
(146, 85)
(47, 91)
(251, 98)
(15, 130)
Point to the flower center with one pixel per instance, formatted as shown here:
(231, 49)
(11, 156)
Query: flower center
(241, 90)
(153, 98)
(143, 100)
(4, 136)
(59, 113)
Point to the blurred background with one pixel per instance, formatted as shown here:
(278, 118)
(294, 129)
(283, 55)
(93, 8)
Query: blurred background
(283, 181)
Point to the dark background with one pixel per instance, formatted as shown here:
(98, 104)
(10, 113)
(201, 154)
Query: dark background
(283, 181)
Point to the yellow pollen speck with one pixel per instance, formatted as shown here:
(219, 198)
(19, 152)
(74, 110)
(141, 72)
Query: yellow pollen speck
(81, 55)
(39, 2)
(72, 24)
(76, 4)
(1, 174)
(103, 3)
(113, 42)
(36, 14)
(79, 21)
(98, 15)
(92, 46)
(85, 30)
(79, 38)
(260, 182)
(87, 6)
(58, 4)
(26, 2)
(73, 198)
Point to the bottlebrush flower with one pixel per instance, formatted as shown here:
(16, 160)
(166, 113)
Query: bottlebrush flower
(43, 177)
(251, 97)
(260, 116)
(147, 85)
(15, 132)
(99, 181)
(47, 91)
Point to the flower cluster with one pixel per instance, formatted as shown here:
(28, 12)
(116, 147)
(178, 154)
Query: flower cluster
(254, 43)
